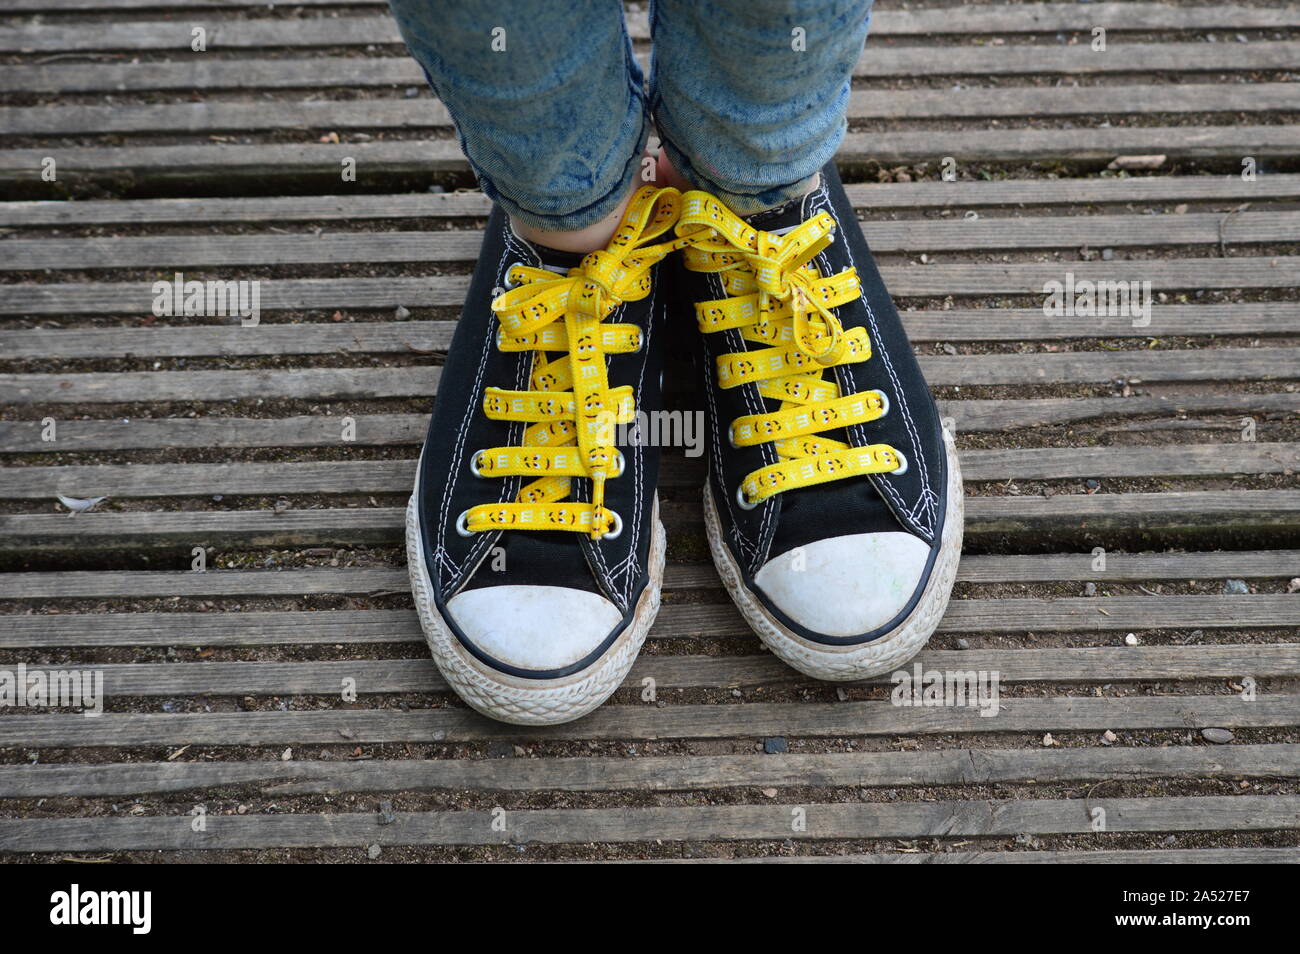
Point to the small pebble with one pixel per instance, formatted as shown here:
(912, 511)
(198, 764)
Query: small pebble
(1107, 254)
(412, 92)
(1048, 740)
(1131, 639)
(841, 695)
(1090, 589)
(402, 313)
(963, 644)
(769, 792)
(1092, 484)
(1109, 738)
(1235, 586)
(949, 349)
(775, 745)
(286, 755)
(1217, 736)
(373, 852)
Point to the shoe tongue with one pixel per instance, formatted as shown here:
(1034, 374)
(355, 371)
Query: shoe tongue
(782, 218)
(557, 259)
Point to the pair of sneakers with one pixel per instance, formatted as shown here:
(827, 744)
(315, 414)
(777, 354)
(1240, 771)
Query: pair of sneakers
(833, 502)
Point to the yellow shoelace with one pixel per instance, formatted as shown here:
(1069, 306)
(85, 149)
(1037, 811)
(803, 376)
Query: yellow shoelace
(571, 410)
(778, 297)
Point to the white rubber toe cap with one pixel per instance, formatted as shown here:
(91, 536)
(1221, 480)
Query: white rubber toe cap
(846, 586)
(534, 627)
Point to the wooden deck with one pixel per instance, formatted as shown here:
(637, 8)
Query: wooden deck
(1172, 446)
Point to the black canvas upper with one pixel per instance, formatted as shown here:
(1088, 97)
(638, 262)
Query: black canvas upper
(615, 568)
(913, 501)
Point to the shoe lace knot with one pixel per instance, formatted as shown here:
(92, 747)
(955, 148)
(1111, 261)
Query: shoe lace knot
(571, 409)
(777, 296)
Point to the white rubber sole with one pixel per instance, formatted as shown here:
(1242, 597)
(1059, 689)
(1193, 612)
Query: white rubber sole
(530, 701)
(882, 655)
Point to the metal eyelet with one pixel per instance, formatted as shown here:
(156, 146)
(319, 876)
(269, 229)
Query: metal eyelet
(463, 530)
(740, 499)
(884, 399)
(507, 284)
(622, 462)
(731, 436)
(902, 465)
(618, 527)
(473, 465)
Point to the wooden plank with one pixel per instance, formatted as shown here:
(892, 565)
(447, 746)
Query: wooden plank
(1008, 415)
(1036, 232)
(1149, 856)
(398, 476)
(374, 676)
(888, 195)
(306, 383)
(262, 628)
(877, 62)
(747, 720)
(663, 774)
(1225, 364)
(1184, 513)
(963, 819)
(935, 280)
(1065, 614)
(360, 581)
(406, 113)
(969, 324)
(375, 430)
(227, 34)
(272, 162)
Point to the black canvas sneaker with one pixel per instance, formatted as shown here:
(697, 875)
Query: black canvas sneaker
(833, 504)
(533, 539)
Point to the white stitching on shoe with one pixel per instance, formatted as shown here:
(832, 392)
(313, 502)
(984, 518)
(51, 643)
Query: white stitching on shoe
(823, 199)
(489, 342)
(629, 563)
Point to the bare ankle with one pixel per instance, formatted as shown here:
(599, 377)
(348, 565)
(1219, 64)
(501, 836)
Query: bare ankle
(587, 239)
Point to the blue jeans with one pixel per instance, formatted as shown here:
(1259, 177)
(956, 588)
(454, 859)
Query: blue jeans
(552, 110)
